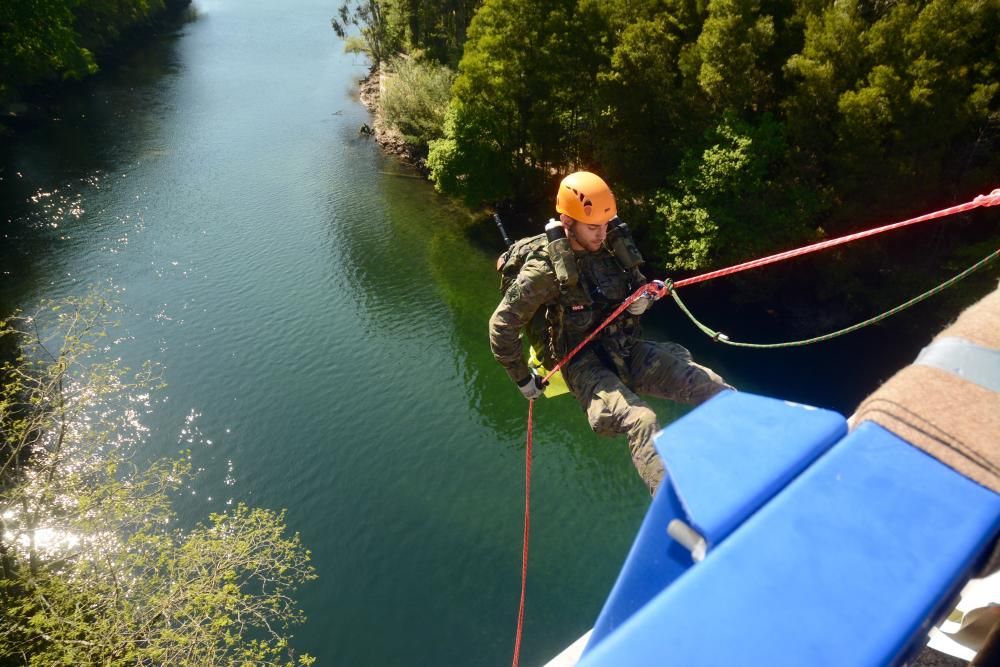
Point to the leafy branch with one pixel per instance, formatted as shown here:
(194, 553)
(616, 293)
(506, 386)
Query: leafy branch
(93, 570)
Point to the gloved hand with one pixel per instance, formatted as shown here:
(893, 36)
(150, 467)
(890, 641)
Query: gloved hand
(641, 305)
(531, 386)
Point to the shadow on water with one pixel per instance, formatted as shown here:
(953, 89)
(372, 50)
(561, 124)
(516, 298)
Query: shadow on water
(424, 289)
(48, 169)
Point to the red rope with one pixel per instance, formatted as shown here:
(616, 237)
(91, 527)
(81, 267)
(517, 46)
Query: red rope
(527, 525)
(658, 289)
(654, 287)
(992, 199)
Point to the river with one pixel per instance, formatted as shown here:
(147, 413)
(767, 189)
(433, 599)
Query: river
(321, 317)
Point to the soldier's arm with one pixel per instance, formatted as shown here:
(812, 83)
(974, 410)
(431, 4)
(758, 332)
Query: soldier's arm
(534, 287)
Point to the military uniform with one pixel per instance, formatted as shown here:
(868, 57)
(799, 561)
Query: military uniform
(606, 375)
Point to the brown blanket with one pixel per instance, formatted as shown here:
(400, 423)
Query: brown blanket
(952, 419)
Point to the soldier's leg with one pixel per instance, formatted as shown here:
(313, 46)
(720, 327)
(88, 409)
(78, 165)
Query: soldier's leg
(612, 409)
(667, 370)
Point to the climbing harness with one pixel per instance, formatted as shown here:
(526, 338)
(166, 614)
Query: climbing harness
(658, 289)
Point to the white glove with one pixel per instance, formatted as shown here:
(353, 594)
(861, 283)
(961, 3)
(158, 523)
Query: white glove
(641, 305)
(531, 386)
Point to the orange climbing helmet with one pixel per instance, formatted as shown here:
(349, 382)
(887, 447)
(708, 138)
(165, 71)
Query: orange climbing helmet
(586, 197)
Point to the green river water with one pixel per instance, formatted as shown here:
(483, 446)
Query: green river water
(322, 321)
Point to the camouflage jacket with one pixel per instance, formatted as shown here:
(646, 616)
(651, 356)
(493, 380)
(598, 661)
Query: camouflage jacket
(556, 319)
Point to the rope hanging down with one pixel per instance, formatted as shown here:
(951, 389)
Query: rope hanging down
(527, 525)
(658, 289)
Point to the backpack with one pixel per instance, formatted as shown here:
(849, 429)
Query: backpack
(508, 266)
(510, 262)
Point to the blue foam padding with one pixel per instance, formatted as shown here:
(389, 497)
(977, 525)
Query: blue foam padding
(732, 454)
(726, 458)
(654, 561)
(849, 565)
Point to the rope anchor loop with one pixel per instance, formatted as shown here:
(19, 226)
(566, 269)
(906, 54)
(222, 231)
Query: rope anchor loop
(659, 288)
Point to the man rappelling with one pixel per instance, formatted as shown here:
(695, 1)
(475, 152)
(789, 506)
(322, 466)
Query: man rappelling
(563, 284)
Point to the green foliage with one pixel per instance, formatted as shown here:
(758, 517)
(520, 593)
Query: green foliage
(414, 98)
(465, 161)
(38, 41)
(649, 103)
(354, 45)
(690, 229)
(42, 40)
(522, 103)
(93, 569)
(436, 27)
(381, 36)
(898, 98)
(102, 22)
(733, 198)
(733, 43)
(728, 127)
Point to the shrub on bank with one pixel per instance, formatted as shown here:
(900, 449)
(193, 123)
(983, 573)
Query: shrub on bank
(414, 98)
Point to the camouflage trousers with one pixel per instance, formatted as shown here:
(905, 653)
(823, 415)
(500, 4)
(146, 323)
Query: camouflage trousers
(613, 406)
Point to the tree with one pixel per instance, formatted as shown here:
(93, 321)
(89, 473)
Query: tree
(438, 27)
(649, 106)
(804, 115)
(732, 48)
(46, 40)
(93, 571)
(733, 198)
(38, 40)
(927, 63)
(380, 36)
(524, 102)
(102, 22)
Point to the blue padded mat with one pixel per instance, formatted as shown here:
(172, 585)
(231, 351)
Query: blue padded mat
(849, 565)
(724, 459)
(732, 454)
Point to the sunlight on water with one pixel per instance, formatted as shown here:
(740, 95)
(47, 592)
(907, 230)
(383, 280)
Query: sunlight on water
(47, 542)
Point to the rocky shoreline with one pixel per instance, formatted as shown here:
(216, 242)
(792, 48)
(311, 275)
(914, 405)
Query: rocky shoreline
(388, 137)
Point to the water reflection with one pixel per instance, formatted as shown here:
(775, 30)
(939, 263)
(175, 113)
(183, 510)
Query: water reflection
(52, 175)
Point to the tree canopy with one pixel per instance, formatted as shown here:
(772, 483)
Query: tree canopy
(724, 126)
(46, 40)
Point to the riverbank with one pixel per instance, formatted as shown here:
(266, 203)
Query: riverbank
(389, 138)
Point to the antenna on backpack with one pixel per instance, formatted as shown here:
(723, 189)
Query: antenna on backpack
(503, 232)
